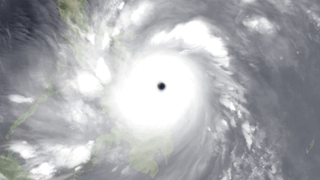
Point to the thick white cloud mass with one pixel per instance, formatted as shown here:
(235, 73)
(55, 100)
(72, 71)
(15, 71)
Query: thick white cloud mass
(144, 105)
(20, 99)
(43, 171)
(24, 149)
(102, 71)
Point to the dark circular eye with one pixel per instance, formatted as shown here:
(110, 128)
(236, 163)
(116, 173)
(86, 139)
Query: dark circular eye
(161, 86)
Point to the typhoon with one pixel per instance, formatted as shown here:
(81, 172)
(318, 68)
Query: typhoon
(168, 90)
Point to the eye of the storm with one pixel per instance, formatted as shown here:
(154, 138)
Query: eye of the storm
(157, 92)
(161, 86)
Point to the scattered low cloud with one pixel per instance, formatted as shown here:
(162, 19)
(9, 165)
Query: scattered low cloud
(247, 133)
(259, 24)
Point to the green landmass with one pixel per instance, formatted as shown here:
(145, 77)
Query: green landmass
(11, 169)
(72, 12)
(142, 152)
(78, 173)
(32, 110)
(60, 66)
(311, 145)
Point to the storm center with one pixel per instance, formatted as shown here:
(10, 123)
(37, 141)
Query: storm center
(161, 86)
(138, 99)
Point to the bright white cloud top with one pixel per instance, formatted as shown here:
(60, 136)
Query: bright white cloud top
(144, 105)
(24, 149)
(197, 36)
(88, 84)
(259, 24)
(102, 71)
(20, 99)
(43, 171)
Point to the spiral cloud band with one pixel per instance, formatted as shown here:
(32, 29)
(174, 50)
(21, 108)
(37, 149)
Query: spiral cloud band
(159, 89)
